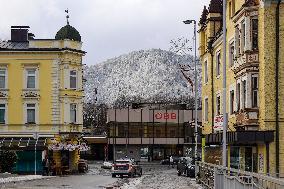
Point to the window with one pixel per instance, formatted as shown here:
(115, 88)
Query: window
(31, 76)
(254, 91)
(30, 113)
(218, 104)
(238, 41)
(2, 79)
(231, 53)
(238, 96)
(206, 109)
(243, 36)
(205, 72)
(232, 8)
(232, 102)
(254, 23)
(2, 113)
(218, 63)
(73, 79)
(244, 93)
(73, 110)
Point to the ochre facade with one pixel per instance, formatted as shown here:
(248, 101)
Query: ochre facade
(251, 51)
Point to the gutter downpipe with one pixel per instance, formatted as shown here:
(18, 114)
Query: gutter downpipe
(224, 145)
(277, 84)
(212, 89)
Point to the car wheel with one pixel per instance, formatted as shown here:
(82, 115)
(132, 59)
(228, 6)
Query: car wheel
(113, 175)
(179, 173)
(140, 173)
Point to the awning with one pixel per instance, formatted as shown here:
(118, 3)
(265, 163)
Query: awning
(26, 143)
(241, 137)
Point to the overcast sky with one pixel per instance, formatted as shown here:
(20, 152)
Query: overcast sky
(108, 28)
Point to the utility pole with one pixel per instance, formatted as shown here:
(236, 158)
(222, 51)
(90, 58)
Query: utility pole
(195, 91)
(224, 151)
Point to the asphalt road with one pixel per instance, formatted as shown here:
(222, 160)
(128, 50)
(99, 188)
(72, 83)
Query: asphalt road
(74, 181)
(154, 176)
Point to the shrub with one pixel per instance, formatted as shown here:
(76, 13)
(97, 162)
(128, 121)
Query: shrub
(7, 161)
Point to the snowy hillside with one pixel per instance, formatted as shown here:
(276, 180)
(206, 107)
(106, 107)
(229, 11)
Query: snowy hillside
(146, 76)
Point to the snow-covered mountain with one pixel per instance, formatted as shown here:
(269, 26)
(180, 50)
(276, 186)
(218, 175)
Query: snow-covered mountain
(145, 76)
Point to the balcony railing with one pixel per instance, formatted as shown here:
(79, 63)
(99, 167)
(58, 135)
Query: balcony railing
(248, 59)
(22, 129)
(247, 119)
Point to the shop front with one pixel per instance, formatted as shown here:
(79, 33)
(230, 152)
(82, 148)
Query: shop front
(64, 153)
(247, 150)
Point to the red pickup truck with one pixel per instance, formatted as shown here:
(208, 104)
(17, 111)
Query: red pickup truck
(127, 167)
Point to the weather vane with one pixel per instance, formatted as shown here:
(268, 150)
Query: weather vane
(67, 16)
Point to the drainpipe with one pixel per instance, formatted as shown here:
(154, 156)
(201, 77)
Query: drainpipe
(277, 84)
(212, 89)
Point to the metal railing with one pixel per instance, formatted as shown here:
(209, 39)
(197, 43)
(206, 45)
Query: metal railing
(212, 176)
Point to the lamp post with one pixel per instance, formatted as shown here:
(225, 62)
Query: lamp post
(224, 151)
(195, 89)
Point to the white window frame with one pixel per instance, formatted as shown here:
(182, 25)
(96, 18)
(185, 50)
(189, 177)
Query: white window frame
(251, 34)
(252, 91)
(238, 96)
(5, 111)
(220, 108)
(232, 102)
(76, 113)
(74, 76)
(206, 105)
(244, 93)
(5, 76)
(231, 53)
(243, 36)
(218, 64)
(36, 108)
(27, 68)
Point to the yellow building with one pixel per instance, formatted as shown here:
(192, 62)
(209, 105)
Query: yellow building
(41, 97)
(255, 83)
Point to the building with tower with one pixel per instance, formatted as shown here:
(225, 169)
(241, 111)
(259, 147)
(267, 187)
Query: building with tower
(41, 98)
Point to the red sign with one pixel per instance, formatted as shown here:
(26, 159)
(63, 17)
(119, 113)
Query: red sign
(218, 123)
(165, 116)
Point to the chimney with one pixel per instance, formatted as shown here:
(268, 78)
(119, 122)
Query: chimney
(19, 33)
(31, 36)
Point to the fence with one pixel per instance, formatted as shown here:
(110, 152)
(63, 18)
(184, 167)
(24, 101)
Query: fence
(212, 176)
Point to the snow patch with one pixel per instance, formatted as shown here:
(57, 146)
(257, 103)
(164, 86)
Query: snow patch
(146, 75)
(21, 178)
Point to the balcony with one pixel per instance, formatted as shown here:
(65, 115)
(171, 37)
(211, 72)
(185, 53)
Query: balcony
(247, 119)
(42, 129)
(4, 93)
(249, 60)
(31, 93)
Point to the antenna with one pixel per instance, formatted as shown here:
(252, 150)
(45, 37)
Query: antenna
(67, 16)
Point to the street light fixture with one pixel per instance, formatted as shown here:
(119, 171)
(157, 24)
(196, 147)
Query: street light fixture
(195, 90)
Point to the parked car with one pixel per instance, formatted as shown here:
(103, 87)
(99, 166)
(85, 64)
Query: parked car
(186, 167)
(83, 166)
(167, 160)
(106, 165)
(126, 167)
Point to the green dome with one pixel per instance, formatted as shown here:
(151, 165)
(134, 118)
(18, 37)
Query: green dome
(68, 32)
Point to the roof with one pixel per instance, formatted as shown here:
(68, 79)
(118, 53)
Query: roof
(24, 46)
(216, 6)
(68, 32)
(203, 16)
(13, 45)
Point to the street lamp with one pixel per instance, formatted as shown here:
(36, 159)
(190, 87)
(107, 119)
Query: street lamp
(195, 89)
